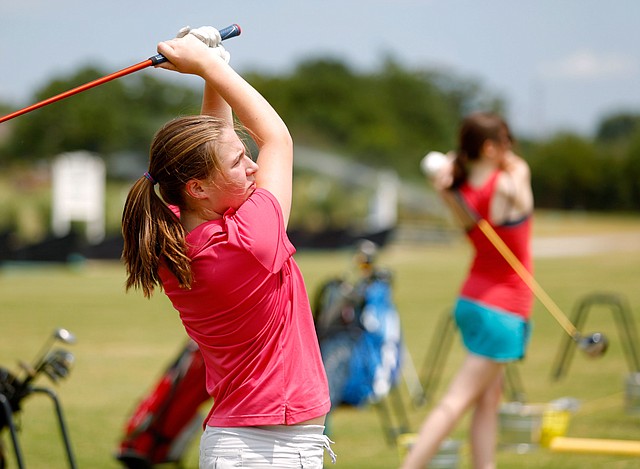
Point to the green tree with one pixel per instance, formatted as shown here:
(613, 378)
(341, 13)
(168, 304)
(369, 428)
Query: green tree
(566, 172)
(631, 170)
(120, 115)
(617, 127)
(390, 117)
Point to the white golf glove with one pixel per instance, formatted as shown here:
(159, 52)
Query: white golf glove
(432, 163)
(210, 36)
(207, 34)
(222, 52)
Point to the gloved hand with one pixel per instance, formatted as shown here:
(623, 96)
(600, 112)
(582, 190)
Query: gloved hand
(210, 36)
(207, 34)
(432, 163)
(222, 52)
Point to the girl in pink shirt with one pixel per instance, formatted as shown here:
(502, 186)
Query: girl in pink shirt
(213, 237)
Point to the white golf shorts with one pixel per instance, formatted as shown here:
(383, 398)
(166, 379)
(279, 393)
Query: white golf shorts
(284, 447)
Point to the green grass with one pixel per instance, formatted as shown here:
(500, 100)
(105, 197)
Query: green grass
(125, 341)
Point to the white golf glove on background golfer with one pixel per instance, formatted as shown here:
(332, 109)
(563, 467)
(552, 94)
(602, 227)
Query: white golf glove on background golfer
(210, 36)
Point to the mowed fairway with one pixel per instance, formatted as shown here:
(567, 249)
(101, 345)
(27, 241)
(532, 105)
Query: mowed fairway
(125, 342)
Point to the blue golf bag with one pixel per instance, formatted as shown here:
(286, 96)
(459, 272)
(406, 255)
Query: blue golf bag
(360, 338)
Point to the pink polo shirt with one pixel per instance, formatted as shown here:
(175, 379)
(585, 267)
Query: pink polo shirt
(249, 312)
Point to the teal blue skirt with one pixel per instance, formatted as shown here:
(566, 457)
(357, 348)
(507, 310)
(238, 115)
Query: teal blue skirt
(491, 332)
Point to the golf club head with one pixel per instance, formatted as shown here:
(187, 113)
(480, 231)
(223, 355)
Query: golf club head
(59, 335)
(63, 335)
(594, 345)
(57, 364)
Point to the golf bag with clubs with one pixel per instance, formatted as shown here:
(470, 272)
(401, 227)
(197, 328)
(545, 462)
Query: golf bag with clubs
(361, 348)
(359, 333)
(15, 388)
(167, 419)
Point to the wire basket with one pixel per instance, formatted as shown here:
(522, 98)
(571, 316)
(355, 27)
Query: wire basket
(447, 457)
(525, 427)
(520, 426)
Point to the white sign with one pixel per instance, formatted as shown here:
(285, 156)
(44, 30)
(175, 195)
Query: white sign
(78, 194)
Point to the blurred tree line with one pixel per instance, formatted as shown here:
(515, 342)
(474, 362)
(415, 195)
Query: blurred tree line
(388, 118)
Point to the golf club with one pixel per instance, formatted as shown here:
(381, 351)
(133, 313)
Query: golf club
(14, 390)
(225, 33)
(593, 345)
(59, 335)
(57, 364)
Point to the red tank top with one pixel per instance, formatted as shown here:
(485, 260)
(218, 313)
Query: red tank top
(491, 280)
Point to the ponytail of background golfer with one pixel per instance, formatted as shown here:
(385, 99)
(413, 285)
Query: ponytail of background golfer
(207, 225)
(484, 179)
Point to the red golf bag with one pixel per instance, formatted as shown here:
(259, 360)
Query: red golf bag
(167, 419)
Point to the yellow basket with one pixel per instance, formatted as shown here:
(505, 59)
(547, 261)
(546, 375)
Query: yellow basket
(554, 423)
(404, 442)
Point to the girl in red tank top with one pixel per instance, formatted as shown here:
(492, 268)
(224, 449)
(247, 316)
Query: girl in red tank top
(485, 180)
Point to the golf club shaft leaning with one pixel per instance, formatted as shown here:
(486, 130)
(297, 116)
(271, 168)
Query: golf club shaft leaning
(225, 33)
(465, 215)
(527, 278)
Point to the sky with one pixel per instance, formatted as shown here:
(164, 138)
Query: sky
(560, 65)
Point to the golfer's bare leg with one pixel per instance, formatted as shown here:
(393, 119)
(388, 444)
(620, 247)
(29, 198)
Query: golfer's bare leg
(475, 375)
(484, 425)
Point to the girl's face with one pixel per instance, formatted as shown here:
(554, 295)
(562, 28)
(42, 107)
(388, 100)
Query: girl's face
(235, 182)
(496, 150)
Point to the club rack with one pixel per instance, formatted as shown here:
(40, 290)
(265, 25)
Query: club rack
(16, 387)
